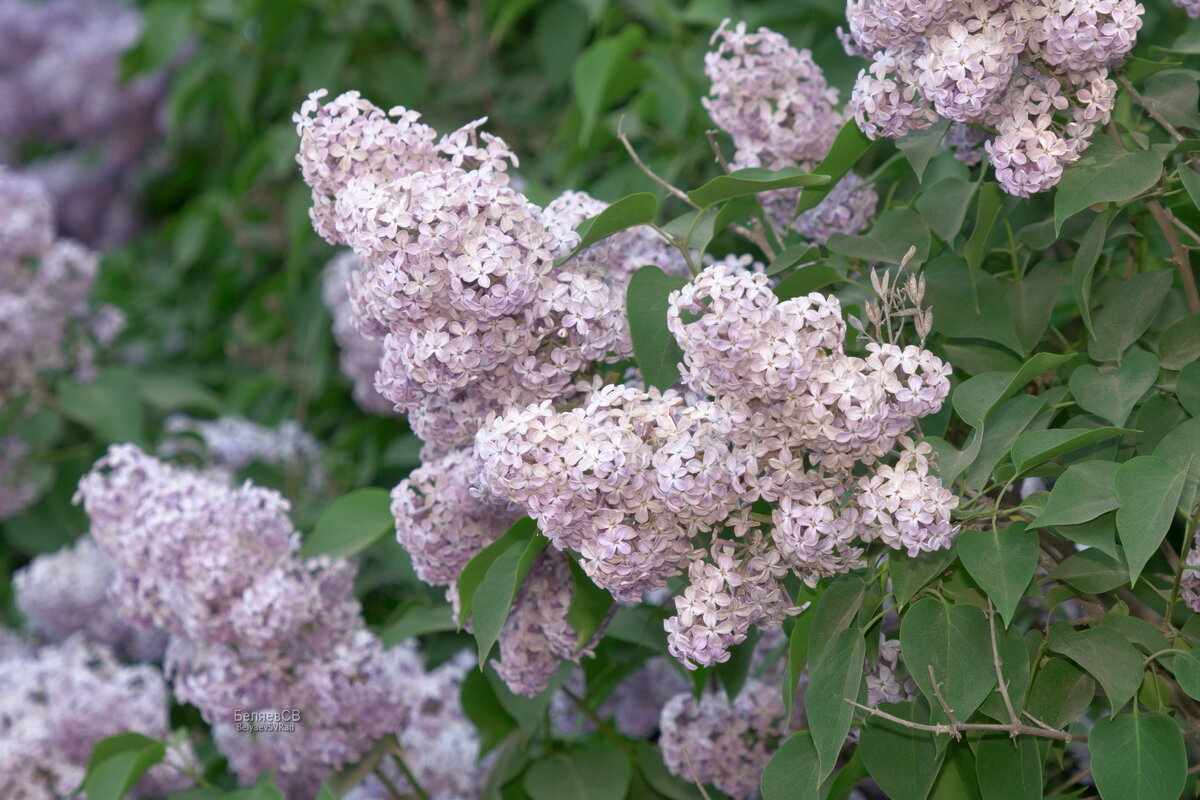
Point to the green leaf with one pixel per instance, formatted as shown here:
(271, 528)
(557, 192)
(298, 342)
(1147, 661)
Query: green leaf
(595, 72)
(968, 307)
(836, 675)
(1104, 653)
(794, 772)
(904, 762)
(956, 780)
(589, 605)
(1138, 756)
(351, 524)
(1142, 633)
(1082, 493)
(1001, 562)
(1187, 388)
(1038, 447)
(481, 706)
(791, 256)
(991, 200)
(1112, 395)
(1179, 344)
(1091, 572)
(650, 765)
(1149, 489)
(1009, 769)
(948, 638)
(951, 462)
(473, 573)
(806, 280)
(1060, 692)
(1191, 183)
(889, 239)
(850, 145)
(1031, 301)
(165, 27)
(944, 206)
(1186, 667)
(1084, 264)
(108, 406)
(734, 672)
(118, 762)
(1105, 173)
(494, 598)
(919, 147)
(694, 229)
(418, 620)
(594, 771)
(909, 575)
(176, 392)
(1179, 448)
(835, 611)
(752, 180)
(1174, 96)
(1014, 665)
(1127, 316)
(657, 353)
(630, 211)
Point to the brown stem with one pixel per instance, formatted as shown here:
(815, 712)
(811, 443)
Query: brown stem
(1008, 706)
(957, 729)
(1154, 115)
(1179, 254)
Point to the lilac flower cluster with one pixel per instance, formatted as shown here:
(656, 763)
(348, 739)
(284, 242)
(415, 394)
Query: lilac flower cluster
(60, 83)
(46, 323)
(64, 593)
(721, 742)
(231, 443)
(774, 103)
(1192, 7)
(1189, 579)
(59, 701)
(459, 277)
(775, 411)
(1032, 76)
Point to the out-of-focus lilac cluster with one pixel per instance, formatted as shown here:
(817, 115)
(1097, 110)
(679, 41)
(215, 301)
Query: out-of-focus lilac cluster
(1189, 579)
(774, 410)
(459, 277)
(231, 443)
(773, 101)
(60, 700)
(359, 355)
(64, 593)
(60, 88)
(254, 627)
(47, 327)
(1192, 7)
(1032, 76)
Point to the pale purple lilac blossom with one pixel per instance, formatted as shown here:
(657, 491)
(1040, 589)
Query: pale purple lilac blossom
(1032, 75)
(230, 443)
(358, 355)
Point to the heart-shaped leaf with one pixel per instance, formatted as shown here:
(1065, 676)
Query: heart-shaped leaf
(1082, 493)
(1149, 489)
(948, 639)
(1112, 395)
(1001, 562)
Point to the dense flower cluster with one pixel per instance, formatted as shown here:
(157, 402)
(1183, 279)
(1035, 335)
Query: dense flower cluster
(1033, 74)
(46, 323)
(60, 84)
(359, 355)
(66, 592)
(59, 701)
(253, 626)
(774, 103)
(459, 277)
(231, 443)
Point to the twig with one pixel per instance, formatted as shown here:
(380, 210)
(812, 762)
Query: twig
(1008, 706)
(1154, 115)
(1038, 722)
(711, 135)
(957, 729)
(946, 709)
(1179, 253)
(687, 756)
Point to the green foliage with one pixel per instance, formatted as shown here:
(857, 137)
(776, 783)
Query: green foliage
(351, 524)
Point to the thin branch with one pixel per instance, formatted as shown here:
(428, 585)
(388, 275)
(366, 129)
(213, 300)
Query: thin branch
(1179, 254)
(687, 756)
(711, 135)
(1008, 706)
(1154, 115)
(957, 729)
(1038, 722)
(946, 709)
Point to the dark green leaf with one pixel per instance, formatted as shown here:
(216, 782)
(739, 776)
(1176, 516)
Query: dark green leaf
(909, 575)
(1091, 572)
(888, 241)
(834, 612)
(1031, 301)
(473, 573)
(948, 639)
(596, 70)
(836, 676)
(944, 206)
(904, 762)
(595, 771)
(794, 772)
(919, 147)
(483, 709)
(848, 147)
(1001, 562)
(1179, 344)
(957, 780)
(1149, 489)
(1038, 447)
(657, 353)
(118, 762)
(650, 765)
(1138, 756)
(806, 280)
(108, 406)
(1009, 769)
(589, 605)
(1104, 653)
(752, 180)
(1112, 395)
(1105, 173)
(628, 212)
(1084, 264)
(1060, 692)
(1174, 96)
(966, 306)
(494, 597)
(1082, 493)
(351, 524)
(991, 200)
(1127, 316)
(791, 256)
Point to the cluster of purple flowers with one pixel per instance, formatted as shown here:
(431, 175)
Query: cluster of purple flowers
(60, 84)
(358, 355)
(253, 627)
(46, 323)
(773, 101)
(231, 443)
(60, 700)
(1028, 80)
